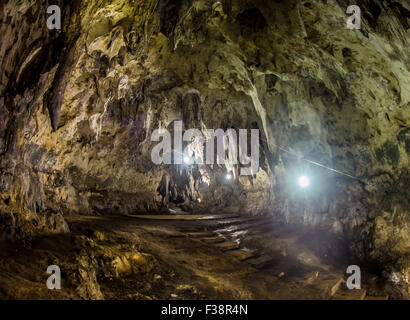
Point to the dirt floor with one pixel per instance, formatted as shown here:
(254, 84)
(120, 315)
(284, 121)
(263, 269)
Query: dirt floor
(216, 257)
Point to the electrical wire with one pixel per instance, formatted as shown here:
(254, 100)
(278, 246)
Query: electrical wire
(315, 162)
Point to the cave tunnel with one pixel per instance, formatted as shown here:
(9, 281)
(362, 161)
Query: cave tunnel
(204, 150)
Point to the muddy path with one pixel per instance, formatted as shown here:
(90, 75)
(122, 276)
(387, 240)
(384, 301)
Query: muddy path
(219, 257)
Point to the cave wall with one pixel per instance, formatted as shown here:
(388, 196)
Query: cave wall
(78, 107)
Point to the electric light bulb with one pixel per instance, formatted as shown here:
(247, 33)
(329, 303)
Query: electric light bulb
(304, 182)
(187, 160)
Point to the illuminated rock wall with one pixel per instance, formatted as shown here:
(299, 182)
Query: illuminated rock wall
(78, 107)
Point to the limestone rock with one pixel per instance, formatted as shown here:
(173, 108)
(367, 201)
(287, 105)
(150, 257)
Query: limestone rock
(78, 107)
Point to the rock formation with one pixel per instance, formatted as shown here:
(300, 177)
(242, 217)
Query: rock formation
(78, 107)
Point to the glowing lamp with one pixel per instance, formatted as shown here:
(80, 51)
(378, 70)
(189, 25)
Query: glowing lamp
(303, 182)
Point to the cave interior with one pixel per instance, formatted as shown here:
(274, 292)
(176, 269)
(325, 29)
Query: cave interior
(109, 170)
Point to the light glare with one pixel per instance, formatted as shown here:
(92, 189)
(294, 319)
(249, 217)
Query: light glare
(187, 160)
(304, 182)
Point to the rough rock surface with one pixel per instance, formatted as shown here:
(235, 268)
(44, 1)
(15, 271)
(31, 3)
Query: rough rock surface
(78, 107)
